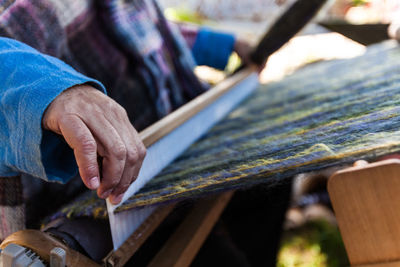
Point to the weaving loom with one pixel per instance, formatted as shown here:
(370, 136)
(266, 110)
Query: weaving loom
(130, 228)
(299, 124)
(324, 115)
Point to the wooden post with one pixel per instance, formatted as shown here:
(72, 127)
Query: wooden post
(183, 245)
(366, 200)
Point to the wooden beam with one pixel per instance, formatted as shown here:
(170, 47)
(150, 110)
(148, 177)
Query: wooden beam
(366, 200)
(121, 256)
(183, 245)
(156, 131)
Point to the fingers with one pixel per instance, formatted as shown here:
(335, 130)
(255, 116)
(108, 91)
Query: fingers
(135, 159)
(113, 152)
(122, 152)
(80, 139)
(93, 124)
(118, 192)
(243, 49)
(135, 153)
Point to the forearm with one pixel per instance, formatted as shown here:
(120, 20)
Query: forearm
(29, 82)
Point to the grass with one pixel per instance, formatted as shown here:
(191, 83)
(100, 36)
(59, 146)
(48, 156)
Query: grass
(316, 244)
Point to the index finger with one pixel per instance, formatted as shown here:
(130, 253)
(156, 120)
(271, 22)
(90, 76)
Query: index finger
(81, 140)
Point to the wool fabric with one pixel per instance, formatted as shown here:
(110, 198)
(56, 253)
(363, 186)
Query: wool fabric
(327, 114)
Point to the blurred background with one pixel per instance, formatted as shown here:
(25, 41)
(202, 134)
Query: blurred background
(249, 19)
(342, 29)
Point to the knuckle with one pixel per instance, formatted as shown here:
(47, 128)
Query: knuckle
(119, 152)
(88, 145)
(89, 169)
(112, 183)
(118, 109)
(122, 188)
(123, 111)
(63, 120)
(142, 151)
(132, 157)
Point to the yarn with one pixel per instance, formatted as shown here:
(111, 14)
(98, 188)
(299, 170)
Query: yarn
(327, 114)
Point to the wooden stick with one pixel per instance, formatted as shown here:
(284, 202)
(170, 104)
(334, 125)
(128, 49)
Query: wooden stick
(183, 245)
(156, 131)
(287, 25)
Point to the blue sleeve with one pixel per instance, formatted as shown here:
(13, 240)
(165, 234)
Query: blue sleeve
(29, 81)
(213, 48)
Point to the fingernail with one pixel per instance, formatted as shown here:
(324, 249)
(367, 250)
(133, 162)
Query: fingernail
(106, 194)
(117, 199)
(94, 182)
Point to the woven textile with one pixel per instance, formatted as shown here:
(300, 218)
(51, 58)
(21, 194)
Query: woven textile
(324, 115)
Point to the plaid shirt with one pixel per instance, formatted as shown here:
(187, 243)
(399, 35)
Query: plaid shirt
(127, 45)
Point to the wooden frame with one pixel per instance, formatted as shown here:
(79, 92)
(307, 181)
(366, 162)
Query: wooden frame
(366, 200)
(182, 247)
(204, 216)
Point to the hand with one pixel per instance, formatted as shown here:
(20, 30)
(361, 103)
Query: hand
(95, 125)
(394, 30)
(244, 49)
